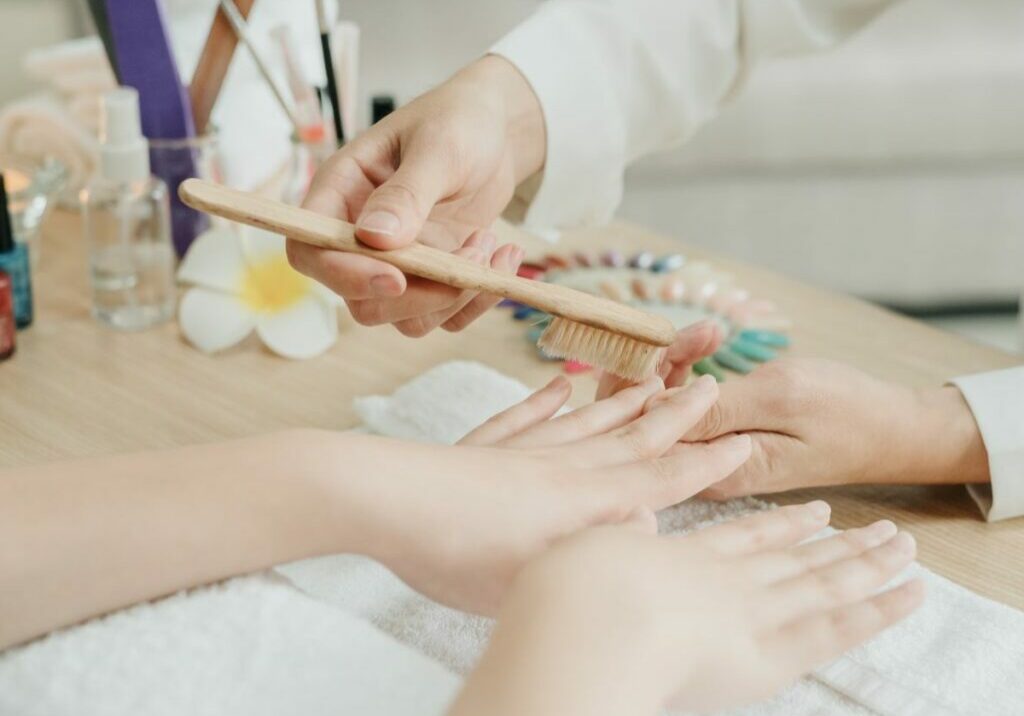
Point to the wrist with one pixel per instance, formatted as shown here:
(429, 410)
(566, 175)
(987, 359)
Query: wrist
(343, 490)
(948, 447)
(524, 119)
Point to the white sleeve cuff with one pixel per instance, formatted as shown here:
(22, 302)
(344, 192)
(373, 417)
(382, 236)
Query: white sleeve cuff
(997, 401)
(562, 50)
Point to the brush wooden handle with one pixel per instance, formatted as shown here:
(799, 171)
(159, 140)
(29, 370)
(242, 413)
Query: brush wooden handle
(427, 262)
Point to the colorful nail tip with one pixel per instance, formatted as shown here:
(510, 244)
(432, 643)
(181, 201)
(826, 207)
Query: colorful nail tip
(530, 270)
(573, 367)
(509, 303)
(642, 260)
(582, 259)
(733, 361)
(667, 263)
(525, 312)
(641, 290)
(752, 350)
(613, 290)
(556, 262)
(613, 259)
(766, 338)
(708, 366)
(533, 335)
(672, 290)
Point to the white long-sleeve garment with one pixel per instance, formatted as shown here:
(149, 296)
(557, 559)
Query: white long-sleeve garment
(618, 79)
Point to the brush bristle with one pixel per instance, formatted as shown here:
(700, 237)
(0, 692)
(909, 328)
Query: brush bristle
(615, 353)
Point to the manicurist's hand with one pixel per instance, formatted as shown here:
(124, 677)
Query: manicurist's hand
(612, 621)
(816, 422)
(458, 523)
(441, 170)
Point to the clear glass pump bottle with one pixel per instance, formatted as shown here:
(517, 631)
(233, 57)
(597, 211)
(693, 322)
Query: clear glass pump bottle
(127, 225)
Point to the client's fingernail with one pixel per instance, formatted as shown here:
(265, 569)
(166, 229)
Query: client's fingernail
(380, 222)
(384, 286)
(740, 442)
(652, 384)
(882, 530)
(705, 384)
(819, 508)
(904, 543)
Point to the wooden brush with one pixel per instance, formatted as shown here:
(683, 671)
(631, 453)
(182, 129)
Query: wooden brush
(611, 335)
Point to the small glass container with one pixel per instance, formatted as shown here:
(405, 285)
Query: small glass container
(32, 188)
(131, 259)
(174, 161)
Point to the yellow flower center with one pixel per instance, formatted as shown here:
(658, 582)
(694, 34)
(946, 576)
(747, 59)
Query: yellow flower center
(271, 285)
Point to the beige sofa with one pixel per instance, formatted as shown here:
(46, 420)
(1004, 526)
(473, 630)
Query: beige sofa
(891, 167)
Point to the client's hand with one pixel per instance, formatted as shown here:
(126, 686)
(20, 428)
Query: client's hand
(437, 169)
(613, 621)
(459, 522)
(815, 422)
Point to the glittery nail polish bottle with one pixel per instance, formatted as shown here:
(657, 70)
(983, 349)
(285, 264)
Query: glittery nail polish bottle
(14, 262)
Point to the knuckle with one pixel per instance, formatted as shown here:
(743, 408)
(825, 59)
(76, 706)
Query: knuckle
(638, 443)
(828, 588)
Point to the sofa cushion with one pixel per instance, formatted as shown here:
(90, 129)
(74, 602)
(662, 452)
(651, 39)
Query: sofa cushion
(929, 80)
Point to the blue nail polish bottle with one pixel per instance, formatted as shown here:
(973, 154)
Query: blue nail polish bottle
(14, 262)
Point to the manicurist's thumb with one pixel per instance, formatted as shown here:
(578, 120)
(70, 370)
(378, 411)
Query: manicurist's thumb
(394, 213)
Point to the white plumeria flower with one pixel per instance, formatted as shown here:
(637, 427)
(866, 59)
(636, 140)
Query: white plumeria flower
(242, 281)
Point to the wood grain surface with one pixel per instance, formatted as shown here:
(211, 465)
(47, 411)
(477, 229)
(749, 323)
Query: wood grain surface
(75, 388)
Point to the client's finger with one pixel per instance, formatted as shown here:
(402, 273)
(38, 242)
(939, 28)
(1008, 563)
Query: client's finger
(594, 419)
(652, 434)
(538, 407)
(786, 564)
(669, 480)
(692, 344)
(837, 584)
(816, 640)
(763, 531)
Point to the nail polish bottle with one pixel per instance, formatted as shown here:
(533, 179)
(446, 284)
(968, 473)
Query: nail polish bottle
(7, 328)
(14, 262)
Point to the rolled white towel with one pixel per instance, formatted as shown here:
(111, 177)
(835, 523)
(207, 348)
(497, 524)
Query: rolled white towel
(40, 127)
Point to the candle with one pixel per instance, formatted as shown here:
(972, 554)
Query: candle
(16, 180)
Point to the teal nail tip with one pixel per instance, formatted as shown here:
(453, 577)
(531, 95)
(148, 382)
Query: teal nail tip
(751, 350)
(533, 335)
(733, 361)
(765, 338)
(708, 366)
(668, 263)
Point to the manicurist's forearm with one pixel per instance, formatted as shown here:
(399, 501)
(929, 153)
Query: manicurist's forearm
(78, 539)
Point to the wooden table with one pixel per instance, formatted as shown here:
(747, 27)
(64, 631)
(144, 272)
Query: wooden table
(75, 388)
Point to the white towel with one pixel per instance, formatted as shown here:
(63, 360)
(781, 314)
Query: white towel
(959, 654)
(41, 127)
(256, 646)
(252, 646)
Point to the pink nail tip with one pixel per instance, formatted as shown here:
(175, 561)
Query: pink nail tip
(573, 367)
